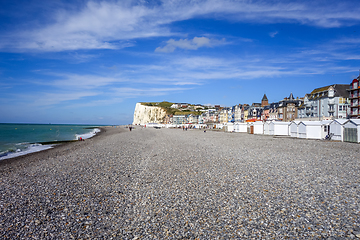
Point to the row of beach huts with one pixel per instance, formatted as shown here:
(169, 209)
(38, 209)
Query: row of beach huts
(347, 130)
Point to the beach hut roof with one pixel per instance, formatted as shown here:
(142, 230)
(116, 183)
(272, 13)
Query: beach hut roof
(296, 122)
(340, 121)
(326, 122)
(281, 123)
(311, 123)
(355, 121)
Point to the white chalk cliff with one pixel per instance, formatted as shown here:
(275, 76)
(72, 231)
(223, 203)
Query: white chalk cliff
(148, 114)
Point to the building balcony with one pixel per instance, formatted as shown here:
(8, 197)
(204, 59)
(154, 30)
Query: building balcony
(331, 110)
(331, 102)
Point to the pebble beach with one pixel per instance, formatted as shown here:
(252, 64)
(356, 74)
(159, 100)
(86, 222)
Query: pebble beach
(175, 184)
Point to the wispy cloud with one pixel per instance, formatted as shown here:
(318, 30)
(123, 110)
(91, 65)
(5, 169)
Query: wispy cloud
(109, 25)
(331, 51)
(273, 34)
(51, 97)
(192, 44)
(74, 91)
(77, 81)
(138, 92)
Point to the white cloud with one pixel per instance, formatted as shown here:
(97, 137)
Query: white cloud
(76, 81)
(98, 25)
(55, 98)
(51, 97)
(74, 91)
(108, 25)
(127, 92)
(273, 34)
(192, 44)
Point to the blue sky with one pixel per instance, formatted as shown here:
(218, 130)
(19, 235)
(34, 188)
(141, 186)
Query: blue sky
(91, 61)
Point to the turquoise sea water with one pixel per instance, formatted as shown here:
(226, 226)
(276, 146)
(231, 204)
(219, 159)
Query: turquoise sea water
(19, 139)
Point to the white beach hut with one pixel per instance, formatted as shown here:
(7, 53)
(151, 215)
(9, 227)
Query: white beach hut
(325, 128)
(241, 127)
(250, 127)
(279, 128)
(230, 127)
(155, 125)
(337, 129)
(219, 126)
(266, 127)
(258, 127)
(236, 127)
(310, 129)
(293, 128)
(352, 131)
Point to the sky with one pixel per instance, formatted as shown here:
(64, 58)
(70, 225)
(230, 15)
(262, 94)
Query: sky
(90, 62)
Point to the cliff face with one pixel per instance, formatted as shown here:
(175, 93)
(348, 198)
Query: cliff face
(148, 114)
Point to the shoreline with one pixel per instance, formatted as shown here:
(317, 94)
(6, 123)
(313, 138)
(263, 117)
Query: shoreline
(23, 139)
(56, 150)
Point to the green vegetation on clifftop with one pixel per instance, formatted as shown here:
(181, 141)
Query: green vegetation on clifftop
(170, 111)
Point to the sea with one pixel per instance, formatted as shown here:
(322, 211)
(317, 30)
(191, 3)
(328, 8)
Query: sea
(21, 139)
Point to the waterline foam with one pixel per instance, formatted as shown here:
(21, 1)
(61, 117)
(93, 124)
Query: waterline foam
(87, 135)
(27, 148)
(30, 149)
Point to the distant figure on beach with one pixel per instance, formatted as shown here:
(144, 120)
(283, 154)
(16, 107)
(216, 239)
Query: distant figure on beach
(130, 128)
(81, 139)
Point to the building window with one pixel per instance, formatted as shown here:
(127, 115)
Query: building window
(340, 108)
(325, 128)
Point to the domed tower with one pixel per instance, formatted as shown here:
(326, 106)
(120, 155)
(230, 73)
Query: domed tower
(264, 101)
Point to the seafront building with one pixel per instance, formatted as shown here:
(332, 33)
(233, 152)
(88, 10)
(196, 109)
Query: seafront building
(179, 119)
(336, 101)
(325, 103)
(264, 101)
(255, 112)
(288, 108)
(239, 112)
(354, 97)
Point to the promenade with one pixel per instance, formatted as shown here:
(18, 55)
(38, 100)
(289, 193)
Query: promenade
(174, 184)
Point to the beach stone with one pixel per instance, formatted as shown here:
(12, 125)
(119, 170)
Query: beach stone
(170, 184)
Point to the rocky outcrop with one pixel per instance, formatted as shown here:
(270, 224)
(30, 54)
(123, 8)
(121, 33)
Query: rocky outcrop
(148, 114)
